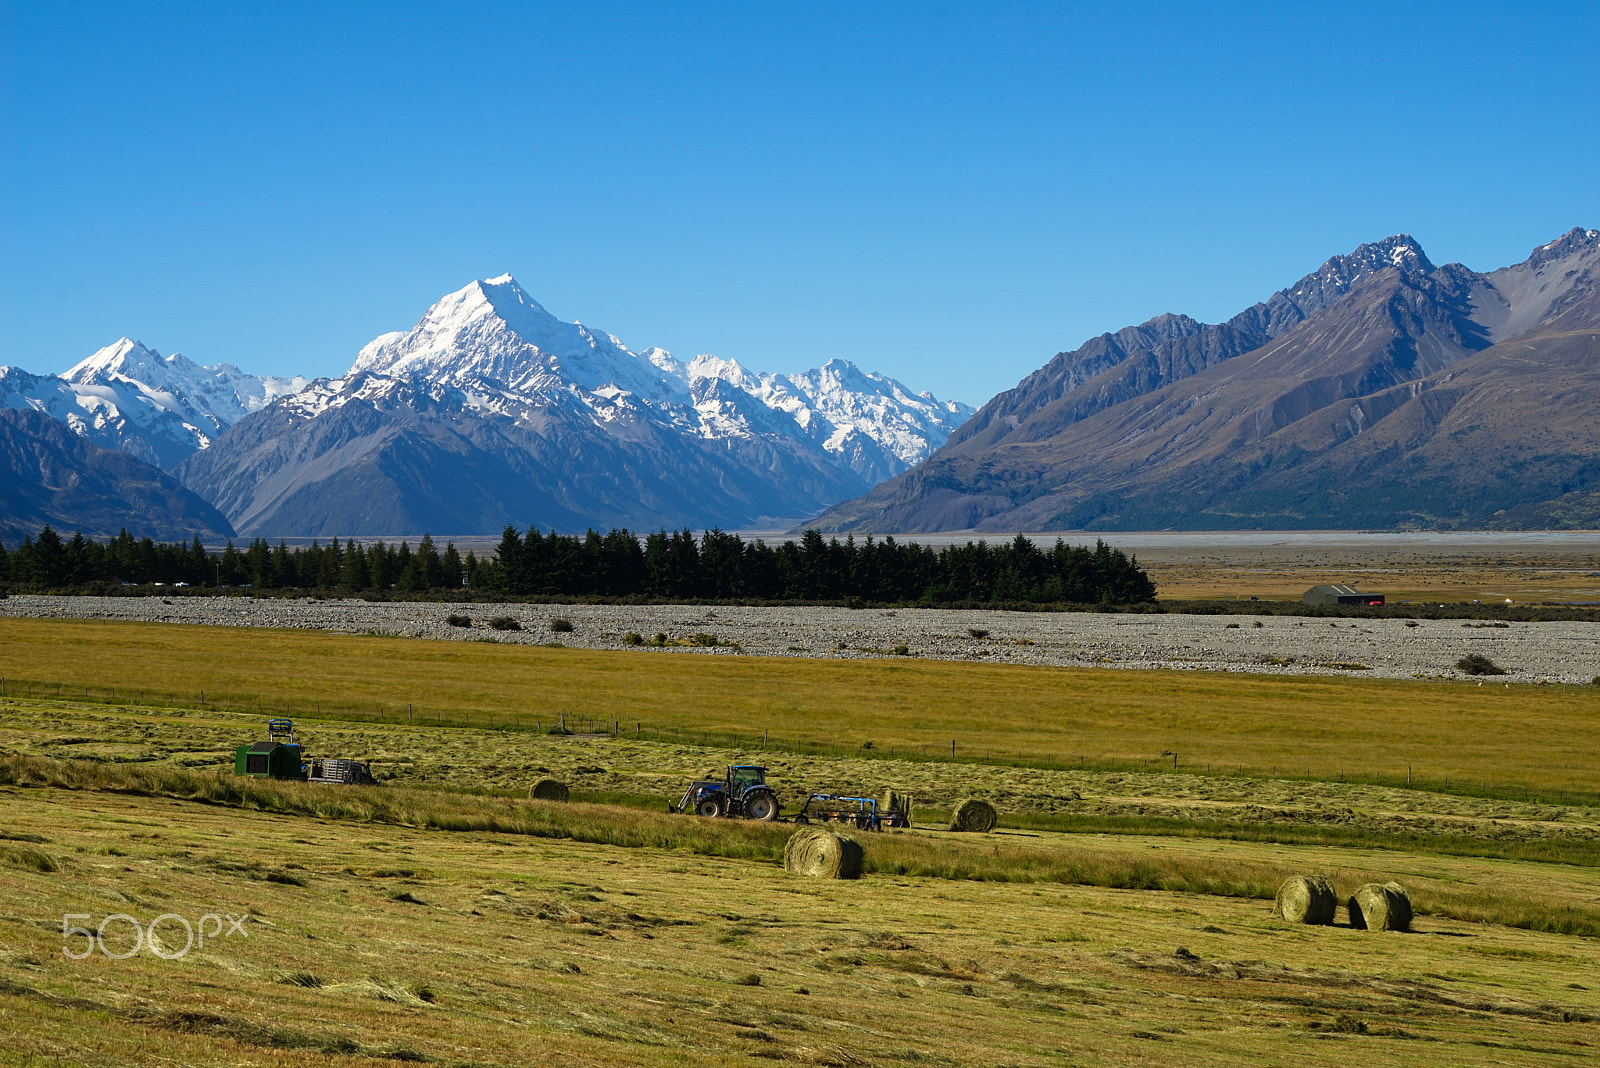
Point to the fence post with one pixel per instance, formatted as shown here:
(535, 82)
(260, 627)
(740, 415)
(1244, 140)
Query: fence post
(952, 749)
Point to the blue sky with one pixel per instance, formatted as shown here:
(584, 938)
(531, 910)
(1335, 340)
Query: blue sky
(947, 193)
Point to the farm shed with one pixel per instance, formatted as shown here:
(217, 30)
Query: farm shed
(1340, 595)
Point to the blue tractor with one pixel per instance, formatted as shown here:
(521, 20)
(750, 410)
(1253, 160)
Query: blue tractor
(744, 793)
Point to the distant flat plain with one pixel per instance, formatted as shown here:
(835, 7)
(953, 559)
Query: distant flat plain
(1404, 565)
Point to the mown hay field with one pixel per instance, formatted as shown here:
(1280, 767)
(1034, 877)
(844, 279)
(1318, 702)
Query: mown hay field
(1316, 727)
(451, 941)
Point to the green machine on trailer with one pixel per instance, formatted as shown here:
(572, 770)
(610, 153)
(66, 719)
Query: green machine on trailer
(277, 756)
(280, 756)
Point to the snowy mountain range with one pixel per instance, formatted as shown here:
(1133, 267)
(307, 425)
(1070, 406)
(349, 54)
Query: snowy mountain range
(157, 408)
(489, 411)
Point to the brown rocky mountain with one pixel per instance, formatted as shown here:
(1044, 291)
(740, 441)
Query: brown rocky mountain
(1380, 391)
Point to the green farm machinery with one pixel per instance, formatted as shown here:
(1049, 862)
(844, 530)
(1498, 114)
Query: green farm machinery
(281, 756)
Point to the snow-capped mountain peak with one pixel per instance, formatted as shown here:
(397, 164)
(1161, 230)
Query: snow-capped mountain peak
(161, 409)
(492, 329)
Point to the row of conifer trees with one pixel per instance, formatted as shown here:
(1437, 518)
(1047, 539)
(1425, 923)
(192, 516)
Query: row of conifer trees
(663, 565)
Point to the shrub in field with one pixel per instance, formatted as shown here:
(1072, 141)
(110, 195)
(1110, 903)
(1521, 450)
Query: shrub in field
(706, 640)
(633, 637)
(1478, 664)
(978, 632)
(561, 626)
(505, 623)
(458, 621)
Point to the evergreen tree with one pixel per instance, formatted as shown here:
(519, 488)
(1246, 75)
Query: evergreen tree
(430, 573)
(49, 559)
(354, 574)
(283, 570)
(451, 566)
(508, 558)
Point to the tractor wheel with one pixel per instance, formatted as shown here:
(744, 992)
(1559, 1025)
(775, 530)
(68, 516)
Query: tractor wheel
(760, 806)
(708, 806)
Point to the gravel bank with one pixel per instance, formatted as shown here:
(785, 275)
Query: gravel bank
(1387, 648)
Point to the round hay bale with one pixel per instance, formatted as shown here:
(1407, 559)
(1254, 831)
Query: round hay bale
(1307, 899)
(821, 854)
(1380, 907)
(974, 815)
(895, 802)
(548, 790)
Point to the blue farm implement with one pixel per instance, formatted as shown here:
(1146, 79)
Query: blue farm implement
(742, 793)
(863, 812)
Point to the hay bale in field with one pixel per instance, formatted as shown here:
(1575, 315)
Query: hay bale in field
(1380, 907)
(895, 802)
(548, 790)
(1307, 899)
(974, 815)
(822, 854)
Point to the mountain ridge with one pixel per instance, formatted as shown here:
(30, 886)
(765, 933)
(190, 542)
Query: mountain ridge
(51, 474)
(1181, 424)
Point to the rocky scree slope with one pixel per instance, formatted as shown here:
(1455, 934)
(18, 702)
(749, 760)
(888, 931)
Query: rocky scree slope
(1379, 391)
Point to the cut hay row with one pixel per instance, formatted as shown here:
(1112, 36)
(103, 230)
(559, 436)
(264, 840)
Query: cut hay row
(942, 856)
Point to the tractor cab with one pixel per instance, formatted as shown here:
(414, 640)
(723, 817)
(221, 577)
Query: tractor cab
(743, 792)
(742, 777)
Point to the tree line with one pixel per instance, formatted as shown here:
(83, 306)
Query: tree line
(665, 565)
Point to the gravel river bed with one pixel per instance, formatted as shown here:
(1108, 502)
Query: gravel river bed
(1566, 652)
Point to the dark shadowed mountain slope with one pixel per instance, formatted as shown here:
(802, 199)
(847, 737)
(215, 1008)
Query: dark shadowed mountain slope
(1379, 391)
(49, 474)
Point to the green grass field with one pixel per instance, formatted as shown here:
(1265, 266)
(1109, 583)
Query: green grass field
(1314, 727)
(1120, 916)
